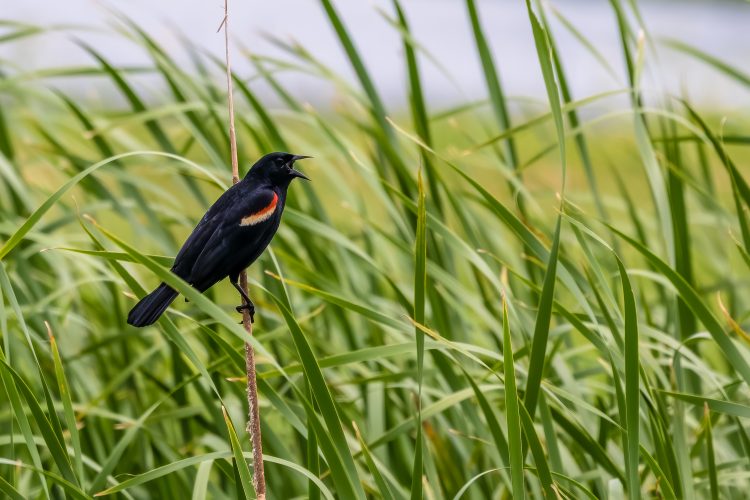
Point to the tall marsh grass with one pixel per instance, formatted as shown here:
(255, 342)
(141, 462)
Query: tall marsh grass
(464, 303)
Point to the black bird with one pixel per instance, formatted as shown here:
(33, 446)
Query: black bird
(234, 232)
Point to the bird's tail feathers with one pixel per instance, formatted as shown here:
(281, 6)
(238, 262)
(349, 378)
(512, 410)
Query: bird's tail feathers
(153, 305)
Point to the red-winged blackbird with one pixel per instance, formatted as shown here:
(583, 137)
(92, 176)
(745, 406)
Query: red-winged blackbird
(232, 234)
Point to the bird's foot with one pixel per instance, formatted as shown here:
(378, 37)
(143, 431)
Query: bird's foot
(250, 308)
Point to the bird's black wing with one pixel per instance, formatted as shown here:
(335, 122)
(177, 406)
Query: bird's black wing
(196, 242)
(238, 237)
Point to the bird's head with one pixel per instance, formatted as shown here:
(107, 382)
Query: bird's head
(277, 168)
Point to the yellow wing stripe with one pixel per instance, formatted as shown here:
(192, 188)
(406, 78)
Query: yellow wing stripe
(262, 214)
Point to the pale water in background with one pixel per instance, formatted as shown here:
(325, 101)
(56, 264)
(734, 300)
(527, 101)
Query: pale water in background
(441, 26)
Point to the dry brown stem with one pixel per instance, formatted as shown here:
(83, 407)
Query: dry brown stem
(253, 422)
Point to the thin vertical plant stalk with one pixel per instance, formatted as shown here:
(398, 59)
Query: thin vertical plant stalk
(253, 422)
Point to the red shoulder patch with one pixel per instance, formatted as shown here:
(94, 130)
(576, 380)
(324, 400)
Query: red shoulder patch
(263, 214)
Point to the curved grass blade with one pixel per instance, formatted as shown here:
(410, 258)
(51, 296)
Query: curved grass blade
(162, 260)
(67, 486)
(363, 309)
(9, 490)
(51, 438)
(697, 305)
(578, 35)
(34, 218)
(204, 459)
(169, 327)
(16, 406)
(384, 489)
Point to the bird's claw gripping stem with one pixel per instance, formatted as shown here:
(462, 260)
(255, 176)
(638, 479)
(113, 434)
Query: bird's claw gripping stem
(250, 308)
(247, 305)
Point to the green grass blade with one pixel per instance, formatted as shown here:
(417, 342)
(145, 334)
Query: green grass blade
(200, 487)
(632, 386)
(9, 490)
(324, 399)
(719, 406)
(357, 64)
(579, 435)
(573, 118)
(541, 326)
(713, 479)
(548, 72)
(65, 395)
(578, 35)
(6, 143)
(501, 443)
(712, 61)
(512, 412)
(418, 106)
(495, 90)
(383, 488)
(420, 283)
(537, 451)
(239, 459)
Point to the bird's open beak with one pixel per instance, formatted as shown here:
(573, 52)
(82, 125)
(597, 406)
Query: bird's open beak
(297, 173)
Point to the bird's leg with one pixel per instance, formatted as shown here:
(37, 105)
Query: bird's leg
(248, 304)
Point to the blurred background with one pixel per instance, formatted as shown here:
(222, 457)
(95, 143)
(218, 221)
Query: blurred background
(521, 269)
(441, 28)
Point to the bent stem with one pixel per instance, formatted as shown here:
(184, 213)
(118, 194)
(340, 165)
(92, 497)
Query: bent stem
(253, 422)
